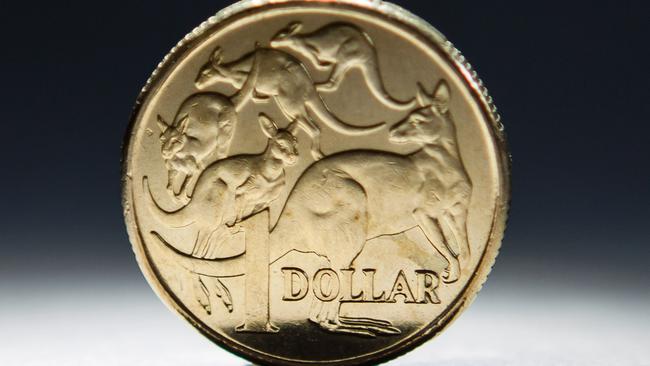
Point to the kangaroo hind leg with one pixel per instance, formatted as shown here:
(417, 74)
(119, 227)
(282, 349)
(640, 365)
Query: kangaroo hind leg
(335, 78)
(201, 244)
(308, 125)
(297, 112)
(435, 236)
(366, 327)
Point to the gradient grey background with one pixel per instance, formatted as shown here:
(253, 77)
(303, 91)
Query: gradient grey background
(571, 285)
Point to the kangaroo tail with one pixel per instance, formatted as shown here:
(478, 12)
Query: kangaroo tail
(173, 219)
(222, 267)
(376, 86)
(321, 110)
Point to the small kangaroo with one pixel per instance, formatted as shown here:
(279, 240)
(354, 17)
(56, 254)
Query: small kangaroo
(233, 189)
(341, 47)
(271, 74)
(201, 132)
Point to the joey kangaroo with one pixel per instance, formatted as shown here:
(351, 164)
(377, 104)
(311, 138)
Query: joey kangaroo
(233, 189)
(341, 47)
(271, 74)
(346, 199)
(201, 132)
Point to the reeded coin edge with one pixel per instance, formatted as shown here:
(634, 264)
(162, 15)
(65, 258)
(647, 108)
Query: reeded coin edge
(429, 35)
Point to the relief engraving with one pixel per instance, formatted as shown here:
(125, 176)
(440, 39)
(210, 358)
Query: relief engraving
(341, 284)
(267, 74)
(201, 132)
(339, 47)
(232, 189)
(338, 204)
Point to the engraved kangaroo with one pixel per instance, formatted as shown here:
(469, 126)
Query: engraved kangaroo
(338, 204)
(201, 132)
(271, 74)
(339, 47)
(232, 189)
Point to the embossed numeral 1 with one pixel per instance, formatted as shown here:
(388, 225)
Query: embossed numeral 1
(257, 317)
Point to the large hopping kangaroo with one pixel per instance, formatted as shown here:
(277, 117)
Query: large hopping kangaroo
(343, 201)
(339, 47)
(271, 74)
(346, 199)
(233, 189)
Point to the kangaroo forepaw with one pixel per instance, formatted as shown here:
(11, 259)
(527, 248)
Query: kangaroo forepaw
(317, 154)
(327, 87)
(452, 272)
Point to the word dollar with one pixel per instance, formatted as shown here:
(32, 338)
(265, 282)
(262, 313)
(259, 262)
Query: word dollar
(326, 285)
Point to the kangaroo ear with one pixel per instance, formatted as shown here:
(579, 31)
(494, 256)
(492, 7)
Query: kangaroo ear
(423, 97)
(182, 126)
(269, 127)
(441, 97)
(162, 125)
(294, 28)
(217, 56)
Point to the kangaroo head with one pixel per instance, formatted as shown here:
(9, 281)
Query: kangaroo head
(286, 36)
(172, 138)
(427, 124)
(211, 71)
(283, 144)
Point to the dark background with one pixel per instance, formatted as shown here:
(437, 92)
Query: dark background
(570, 79)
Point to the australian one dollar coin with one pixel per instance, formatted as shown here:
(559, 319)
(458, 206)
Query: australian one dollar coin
(315, 182)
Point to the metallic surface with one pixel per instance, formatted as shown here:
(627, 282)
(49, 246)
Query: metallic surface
(316, 182)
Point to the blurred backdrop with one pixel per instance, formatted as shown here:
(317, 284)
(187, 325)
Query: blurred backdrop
(572, 282)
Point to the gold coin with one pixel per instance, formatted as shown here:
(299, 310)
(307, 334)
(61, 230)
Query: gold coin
(315, 182)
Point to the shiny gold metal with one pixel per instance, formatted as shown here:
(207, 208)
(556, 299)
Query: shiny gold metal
(315, 182)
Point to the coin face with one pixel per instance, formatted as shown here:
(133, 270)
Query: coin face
(315, 182)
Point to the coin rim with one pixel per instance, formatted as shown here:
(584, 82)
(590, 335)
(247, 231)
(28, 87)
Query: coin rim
(455, 60)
